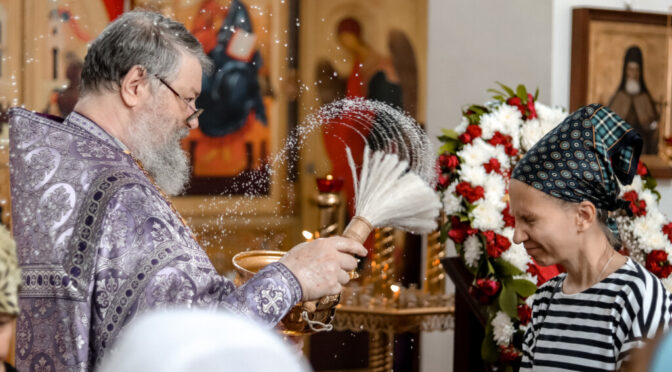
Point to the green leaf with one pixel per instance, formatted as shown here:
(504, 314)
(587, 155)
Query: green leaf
(523, 287)
(536, 94)
(449, 147)
(499, 98)
(508, 301)
(505, 269)
(521, 92)
(489, 350)
(495, 91)
(450, 133)
(491, 269)
(507, 89)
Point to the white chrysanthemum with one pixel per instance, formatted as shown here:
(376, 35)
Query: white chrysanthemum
(649, 199)
(464, 123)
(647, 229)
(510, 120)
(517, 256)
(476, 153)
(489, 125)
(476, 176)
(636, 185)
(452, 203)
(499, 153)
(502, 329)
(655, 240)
(527, 276)
(530, 133)
(549, 117)
(495, 189)
(487, 215)
(667, 282)
(473, 249)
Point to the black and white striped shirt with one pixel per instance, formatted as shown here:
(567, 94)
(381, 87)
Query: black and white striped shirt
(595, 330)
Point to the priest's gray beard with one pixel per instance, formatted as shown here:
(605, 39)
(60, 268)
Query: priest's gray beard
(159, 151)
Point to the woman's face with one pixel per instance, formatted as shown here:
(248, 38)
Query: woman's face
(545, 227)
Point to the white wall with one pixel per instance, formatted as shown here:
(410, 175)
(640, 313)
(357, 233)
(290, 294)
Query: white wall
(472, 44)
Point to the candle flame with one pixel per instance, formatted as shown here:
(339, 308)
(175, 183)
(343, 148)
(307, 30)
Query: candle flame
(307, 235)
(395, 288)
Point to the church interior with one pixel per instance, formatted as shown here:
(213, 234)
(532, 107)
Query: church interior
(269, 169)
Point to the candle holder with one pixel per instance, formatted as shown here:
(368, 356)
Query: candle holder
(329, 204)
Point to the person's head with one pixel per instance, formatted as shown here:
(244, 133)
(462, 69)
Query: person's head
(349, 32)
(10, 279)
(562, 190)
(632, 80)
(152, 67)
(553, 230)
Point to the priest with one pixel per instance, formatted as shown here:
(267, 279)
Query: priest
(98, 239)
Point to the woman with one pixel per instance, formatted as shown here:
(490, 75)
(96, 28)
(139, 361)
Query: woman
(606, 304)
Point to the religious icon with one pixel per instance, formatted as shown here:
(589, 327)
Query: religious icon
(229, 151)
(633, 102)
(390, 78)
(619, 59)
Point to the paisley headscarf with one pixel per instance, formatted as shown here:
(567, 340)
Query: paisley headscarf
(583, 158)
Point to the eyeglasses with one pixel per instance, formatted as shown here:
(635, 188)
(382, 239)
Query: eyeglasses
(197, 111)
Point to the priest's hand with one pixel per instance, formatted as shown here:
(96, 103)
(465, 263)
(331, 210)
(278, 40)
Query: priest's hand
(322, 265)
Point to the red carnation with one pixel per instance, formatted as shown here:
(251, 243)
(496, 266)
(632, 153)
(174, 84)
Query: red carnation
(509, 354)
(459, 230)
(488, 287)
(509, 220)
(656, 262)
(496, 244)
(468, 192)
(667, 230)
(514, 101)
(641, 169)
(449, 161)
(493, 166)
(524, 314)
(530, 107)
(638, 207)
(473, 131)
(444, 181)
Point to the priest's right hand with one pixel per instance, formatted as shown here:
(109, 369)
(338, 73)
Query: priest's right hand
(321, 266)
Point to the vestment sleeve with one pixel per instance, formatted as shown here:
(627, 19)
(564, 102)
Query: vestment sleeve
(147, 258)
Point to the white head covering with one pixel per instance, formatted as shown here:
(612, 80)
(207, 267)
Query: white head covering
(189, 340)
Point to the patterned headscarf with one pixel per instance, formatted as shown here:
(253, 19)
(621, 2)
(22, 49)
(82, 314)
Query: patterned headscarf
(10, 274)
(582, 159)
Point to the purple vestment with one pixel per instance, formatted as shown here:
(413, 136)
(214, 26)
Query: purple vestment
(97, 243)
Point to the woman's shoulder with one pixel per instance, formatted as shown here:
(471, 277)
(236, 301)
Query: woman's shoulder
(636, 280)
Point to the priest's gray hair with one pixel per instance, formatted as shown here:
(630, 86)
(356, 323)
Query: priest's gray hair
(138, 38)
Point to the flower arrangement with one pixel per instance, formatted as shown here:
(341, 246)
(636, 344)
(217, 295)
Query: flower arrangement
(475, 163)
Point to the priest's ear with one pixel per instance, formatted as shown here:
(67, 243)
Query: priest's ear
(134, 87)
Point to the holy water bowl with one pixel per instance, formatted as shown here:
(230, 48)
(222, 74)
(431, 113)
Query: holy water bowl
(305, 317)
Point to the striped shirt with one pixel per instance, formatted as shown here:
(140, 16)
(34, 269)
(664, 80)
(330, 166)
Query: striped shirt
(595, 330)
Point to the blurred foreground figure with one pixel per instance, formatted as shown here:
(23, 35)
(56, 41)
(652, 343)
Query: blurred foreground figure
(97, 238)
(192, 340)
